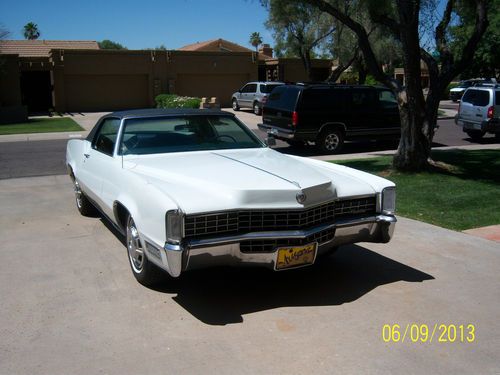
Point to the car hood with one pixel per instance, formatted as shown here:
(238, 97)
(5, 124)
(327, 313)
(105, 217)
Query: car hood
(206, 181)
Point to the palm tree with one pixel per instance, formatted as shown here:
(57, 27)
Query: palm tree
(31, 31)
(255, 40)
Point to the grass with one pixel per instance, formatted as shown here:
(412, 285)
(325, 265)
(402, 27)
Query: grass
(41, 125)
(460, 192)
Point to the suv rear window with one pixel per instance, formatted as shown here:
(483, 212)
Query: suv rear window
(480, 98)
(284, 97)
(266, 89)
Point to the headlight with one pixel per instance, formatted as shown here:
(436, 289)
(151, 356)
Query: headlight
(389, 200)
(174, 221)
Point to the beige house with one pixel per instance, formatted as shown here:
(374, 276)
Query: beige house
(38, 75)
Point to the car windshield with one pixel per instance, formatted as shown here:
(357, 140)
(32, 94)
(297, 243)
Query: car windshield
(157, 135)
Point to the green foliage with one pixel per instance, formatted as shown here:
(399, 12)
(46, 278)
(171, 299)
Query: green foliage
(175, 101)
(255, 39)
(486, 62)
(30, 31)
(109, 44)
(370, 80)
(458, 195)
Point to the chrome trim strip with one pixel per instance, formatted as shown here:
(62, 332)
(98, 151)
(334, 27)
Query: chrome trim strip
(288, 234)
(303, 208)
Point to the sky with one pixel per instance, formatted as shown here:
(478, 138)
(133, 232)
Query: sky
(138, 24)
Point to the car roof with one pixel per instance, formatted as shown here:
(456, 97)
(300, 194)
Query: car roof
(323, 85)
(155, 112)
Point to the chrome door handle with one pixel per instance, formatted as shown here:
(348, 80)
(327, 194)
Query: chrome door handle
(86, 155)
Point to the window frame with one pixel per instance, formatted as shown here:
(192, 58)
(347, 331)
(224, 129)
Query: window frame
(94, 134)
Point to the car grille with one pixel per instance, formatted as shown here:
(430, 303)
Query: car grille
(246, 221)
(268, 246)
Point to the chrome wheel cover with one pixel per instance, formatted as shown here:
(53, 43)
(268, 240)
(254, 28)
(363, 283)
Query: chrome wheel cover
(332, 142)
(78, 194)
(134, 247)
(235, 104)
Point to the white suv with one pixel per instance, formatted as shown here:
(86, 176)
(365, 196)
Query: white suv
(253, 95)
(479, 111)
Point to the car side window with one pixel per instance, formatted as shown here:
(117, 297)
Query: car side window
(363, 99)
(387, 99)
(250, 88)
(105, 138)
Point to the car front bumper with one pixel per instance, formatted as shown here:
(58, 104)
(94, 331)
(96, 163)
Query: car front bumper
(176, 258)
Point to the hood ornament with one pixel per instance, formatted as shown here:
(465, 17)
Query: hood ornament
(301, 197)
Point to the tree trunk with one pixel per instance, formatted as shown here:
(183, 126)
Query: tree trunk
(362, 73)
(414, 148)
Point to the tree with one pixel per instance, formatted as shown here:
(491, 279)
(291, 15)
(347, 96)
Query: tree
(401, 19)
(31, 31)
(298, 29)
(486, 62)
(109, 44)
(255, 40)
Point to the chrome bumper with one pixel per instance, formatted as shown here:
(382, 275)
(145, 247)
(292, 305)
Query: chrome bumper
(226, 250)
(277, 132)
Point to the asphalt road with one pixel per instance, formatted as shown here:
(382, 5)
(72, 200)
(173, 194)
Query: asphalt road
(42, 158)
(70, 304)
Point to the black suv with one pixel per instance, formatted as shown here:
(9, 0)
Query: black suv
(328, 114)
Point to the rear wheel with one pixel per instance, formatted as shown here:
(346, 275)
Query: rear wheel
(476, 135)
(330, 141)
(236, 107)
(85, 207)
(144, 271)
(257, 108)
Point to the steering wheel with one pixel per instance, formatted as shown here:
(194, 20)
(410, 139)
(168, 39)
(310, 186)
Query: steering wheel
(226, 136)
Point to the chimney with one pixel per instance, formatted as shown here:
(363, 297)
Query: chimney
(266, 50)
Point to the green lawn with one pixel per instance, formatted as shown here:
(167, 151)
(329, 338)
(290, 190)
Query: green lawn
(461, 194)
(41, 125)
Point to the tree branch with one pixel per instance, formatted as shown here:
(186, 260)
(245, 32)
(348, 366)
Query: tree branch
(363, 42)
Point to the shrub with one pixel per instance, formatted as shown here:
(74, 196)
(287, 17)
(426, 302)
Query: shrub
(175, 101)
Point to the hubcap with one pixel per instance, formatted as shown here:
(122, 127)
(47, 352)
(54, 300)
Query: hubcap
(78, 194)
(135, 251)
(256, 108)
(332, 142)
(235, 105)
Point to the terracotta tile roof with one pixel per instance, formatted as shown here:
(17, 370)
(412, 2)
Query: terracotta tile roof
(215, 45)
(41, 48)
(219, 45)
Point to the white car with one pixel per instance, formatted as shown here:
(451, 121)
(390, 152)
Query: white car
(196, 188)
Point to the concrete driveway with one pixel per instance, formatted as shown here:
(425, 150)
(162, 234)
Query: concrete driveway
(70, 304)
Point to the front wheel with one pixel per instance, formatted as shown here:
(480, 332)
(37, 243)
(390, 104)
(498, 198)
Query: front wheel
(235, 105)
(144, 271)
(330, 141)
(85, 207)
(476, 135)
(257, 108)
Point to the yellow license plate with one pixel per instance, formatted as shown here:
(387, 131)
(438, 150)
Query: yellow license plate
(295, 256)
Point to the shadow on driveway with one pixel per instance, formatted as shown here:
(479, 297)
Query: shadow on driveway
(220, 296)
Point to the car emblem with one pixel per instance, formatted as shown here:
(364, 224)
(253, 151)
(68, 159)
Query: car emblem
(301, 197)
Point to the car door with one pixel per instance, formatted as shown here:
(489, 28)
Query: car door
(390, 122)
(365, 117)
(99, 160)
(248, 95)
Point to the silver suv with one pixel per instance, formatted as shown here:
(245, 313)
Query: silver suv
(479, 111)
(253, 95)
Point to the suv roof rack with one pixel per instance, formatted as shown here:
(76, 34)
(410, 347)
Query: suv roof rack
(488, 84)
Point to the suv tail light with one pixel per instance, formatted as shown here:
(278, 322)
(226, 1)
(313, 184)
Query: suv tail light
(491, 112)
(295, 118)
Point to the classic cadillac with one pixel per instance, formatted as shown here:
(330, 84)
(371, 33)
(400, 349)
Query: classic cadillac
(196, 188)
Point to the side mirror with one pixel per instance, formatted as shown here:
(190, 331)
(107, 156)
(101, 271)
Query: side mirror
(270, 141)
